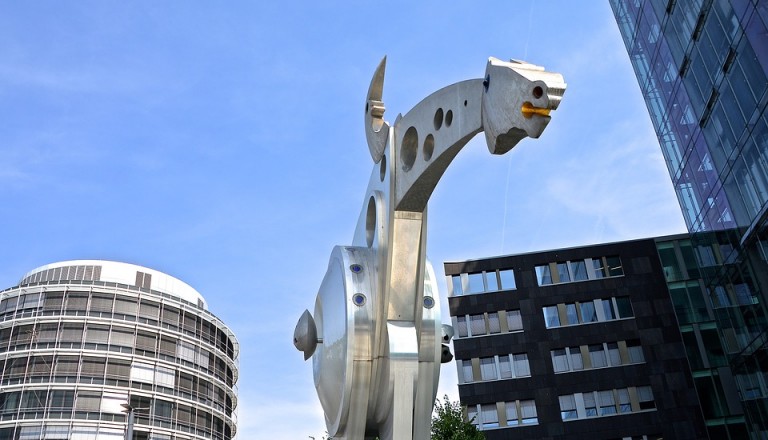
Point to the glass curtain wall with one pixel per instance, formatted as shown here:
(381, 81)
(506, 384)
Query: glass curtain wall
(702, 67)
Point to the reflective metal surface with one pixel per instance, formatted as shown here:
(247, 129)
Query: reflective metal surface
(377, 340)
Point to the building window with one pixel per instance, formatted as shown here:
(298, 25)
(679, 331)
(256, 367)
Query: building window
(465, 367)
(514, 320)
(480, 282)
(472, 415)
(493, 323)
(576, 362)
(477, 325)
(568, 407)
(489, 416)
(588, 313)
(597, 356)
(522, 368)
(488, 368)
(476, 283)
(623, 307)
(598, 269)
(645, 398)
(480, 324)
(625, 405)
(491, 281)
(505, 367)
(609, 309)
(579, 270)
(511, 411)
(614, 358)
(635, 351)
(543, 275)
(461, 326)
(551, 317)
(528, 412)
(600, 356)
(571, 315)
(456, 284)
(604, 403)
(560, 360)
(615, 268)
(507, 278)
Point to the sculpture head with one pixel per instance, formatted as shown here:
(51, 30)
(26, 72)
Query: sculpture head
(516, 102)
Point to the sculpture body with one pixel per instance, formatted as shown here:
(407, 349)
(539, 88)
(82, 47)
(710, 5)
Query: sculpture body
(375, 334)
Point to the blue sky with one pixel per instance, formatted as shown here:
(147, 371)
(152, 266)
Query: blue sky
(223, 143)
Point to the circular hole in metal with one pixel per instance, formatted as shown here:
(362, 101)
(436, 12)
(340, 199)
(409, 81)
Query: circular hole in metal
(429, 147)
(370, 222)
(438, 121)
(465, 103)
(409, 147)
(356, 268)
(358, 299)
(449, 118)
(383, 168)
(538, 92)
(429, 302)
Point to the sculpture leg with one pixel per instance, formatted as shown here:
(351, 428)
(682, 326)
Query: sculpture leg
(404, 369)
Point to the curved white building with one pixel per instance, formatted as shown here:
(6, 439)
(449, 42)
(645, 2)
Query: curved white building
(80, 339)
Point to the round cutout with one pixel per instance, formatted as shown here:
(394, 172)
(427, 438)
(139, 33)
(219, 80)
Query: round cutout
(429, 147)
(409, 147)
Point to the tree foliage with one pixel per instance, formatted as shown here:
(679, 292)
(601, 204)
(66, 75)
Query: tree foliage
(448, 423)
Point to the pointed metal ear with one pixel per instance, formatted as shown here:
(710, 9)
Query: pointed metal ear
(305, 335)
(376, 128)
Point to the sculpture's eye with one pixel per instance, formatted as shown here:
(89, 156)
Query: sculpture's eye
(358, 299)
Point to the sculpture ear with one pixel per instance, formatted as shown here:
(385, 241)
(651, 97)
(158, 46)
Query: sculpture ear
(376, 128)
(305, 335)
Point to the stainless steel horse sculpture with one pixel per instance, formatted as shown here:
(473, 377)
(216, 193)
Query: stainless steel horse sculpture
(375, 336)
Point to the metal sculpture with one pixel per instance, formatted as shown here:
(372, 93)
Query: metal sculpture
(375, 337)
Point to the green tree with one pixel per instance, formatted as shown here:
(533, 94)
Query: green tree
(448, 423)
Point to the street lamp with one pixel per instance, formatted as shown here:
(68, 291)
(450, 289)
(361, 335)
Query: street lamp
(128, 409)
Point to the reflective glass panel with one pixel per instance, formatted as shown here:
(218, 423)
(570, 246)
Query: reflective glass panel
(514, 321)
(476, 283)
(614, 266)
(579, 269)
(570, 313)
(588, 312)
(551, 318)
(491, 281)
(597, 356)
(477, 325)
(568, 407)
(624, 307)
(543, 275)
(575, 358)
(522, 369)
(559, 360)
(456, 283)
(507, 279)
(488, 368)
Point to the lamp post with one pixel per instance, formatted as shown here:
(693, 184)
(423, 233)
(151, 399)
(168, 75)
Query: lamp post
(130, 410)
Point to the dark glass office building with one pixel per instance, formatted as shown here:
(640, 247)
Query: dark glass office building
(585, 343)
(702, 67)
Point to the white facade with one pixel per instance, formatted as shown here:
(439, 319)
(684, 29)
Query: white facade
(80, 338)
